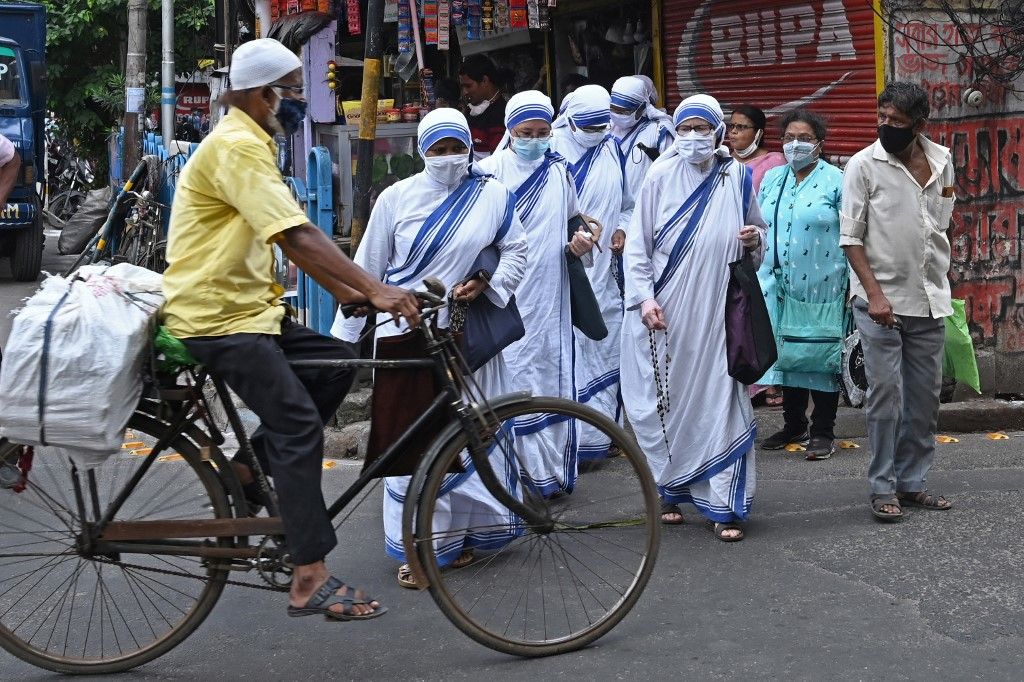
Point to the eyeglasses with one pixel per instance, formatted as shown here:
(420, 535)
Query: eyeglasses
(702, 129)
(802, 138)
(533, 136)
(297, 89)
(739, 127)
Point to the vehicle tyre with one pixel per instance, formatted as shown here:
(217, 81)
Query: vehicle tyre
(27, 254)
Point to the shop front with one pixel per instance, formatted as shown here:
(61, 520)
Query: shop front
(780, 55)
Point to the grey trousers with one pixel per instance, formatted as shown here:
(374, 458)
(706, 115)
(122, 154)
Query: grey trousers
(904, 373)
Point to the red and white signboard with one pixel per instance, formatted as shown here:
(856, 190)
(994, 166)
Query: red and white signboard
(191, 96)
(778, 56)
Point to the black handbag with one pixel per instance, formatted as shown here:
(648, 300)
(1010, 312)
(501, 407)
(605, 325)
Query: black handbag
(749, 340)
(586, 312)
(486, 329)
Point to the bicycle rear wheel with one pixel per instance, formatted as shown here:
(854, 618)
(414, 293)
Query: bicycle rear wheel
(547, 590)
(69, 612)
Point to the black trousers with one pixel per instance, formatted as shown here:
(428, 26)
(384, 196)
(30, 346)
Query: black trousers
(293, 406)
(823, 418)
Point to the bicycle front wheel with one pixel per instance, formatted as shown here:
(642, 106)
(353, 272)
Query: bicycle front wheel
(69, 611)
(545, 589)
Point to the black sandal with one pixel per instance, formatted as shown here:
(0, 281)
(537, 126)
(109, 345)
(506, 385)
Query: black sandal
(722, 528)
(925, 500)
(879, 501)
(323, 599)
(669, 508)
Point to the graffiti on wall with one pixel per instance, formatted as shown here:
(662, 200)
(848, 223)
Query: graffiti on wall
(988, 151)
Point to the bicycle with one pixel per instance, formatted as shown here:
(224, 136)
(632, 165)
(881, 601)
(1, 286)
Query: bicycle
(115, 566)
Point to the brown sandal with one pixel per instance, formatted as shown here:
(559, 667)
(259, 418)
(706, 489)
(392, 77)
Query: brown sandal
(879, 501)
(669, 508)
(925, 500)
(407, 579)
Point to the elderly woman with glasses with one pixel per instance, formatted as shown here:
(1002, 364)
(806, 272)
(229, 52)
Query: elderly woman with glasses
(695, 214)
(746, 141)
(804, 264)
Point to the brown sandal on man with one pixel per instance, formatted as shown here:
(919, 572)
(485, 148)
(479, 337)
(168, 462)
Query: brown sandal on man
(878, 504)
(925, 500)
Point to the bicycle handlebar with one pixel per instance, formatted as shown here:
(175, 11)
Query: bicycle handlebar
(431, 300)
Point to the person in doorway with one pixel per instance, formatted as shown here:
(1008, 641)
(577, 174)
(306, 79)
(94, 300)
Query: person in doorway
(581, 134)
(482, 84)
(413, 233)
(800, 202)
(542, 361)
(571, 82)
(897, 203)
(696, 213)
(643, 131)
(224, 304)
(10, 167)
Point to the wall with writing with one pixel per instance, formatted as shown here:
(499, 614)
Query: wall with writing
(984, 132)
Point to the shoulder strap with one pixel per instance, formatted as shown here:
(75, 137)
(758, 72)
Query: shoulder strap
(775, 223)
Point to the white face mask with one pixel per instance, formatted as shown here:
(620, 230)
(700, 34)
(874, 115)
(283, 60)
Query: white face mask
(588, 139)
(695, 148)
(623, 122)
(477, 109)
(447, 170)
(800, 154)
(744, 153)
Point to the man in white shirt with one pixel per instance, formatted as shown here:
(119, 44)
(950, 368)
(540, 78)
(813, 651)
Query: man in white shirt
(897, 204)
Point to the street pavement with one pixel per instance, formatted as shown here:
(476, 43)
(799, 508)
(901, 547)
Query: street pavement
(817, 591)
(13, 293)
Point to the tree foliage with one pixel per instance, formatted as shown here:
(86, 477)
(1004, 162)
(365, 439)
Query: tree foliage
(86, 43)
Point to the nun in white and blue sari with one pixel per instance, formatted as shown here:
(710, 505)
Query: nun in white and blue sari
(435, 224)
(581, 135)
(696, 213)
(542, 361)
(643, 131)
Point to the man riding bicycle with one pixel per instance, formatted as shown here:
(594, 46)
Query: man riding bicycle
(223, 301)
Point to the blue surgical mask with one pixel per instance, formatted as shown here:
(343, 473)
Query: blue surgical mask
(290, 114)
(800, 154)
(530, 150)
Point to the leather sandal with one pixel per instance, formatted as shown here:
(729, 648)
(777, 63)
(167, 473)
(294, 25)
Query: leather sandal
(878, 501)
(327, 596)
(925, 500)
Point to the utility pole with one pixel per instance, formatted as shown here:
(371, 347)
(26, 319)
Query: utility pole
(368, 118)
(167, 99)
(135, 81)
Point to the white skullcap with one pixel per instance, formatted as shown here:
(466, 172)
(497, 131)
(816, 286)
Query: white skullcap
(261, 62)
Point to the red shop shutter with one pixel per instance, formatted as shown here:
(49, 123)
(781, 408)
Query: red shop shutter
(777, 56)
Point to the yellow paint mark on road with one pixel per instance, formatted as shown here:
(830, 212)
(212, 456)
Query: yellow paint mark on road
(131, 445)
(997, 436)
(175, 457)
(141, 452)
(848, 445)
(330, 463)
(795, 447)
(946, 439)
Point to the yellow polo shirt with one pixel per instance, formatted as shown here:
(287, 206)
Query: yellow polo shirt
(230, 204)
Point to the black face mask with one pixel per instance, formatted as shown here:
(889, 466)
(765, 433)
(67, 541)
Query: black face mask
(894, 140)
(291, 113)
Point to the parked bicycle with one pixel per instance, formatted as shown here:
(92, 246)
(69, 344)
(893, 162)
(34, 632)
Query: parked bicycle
(106, 569)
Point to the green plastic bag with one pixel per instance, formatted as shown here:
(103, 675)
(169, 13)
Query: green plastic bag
(171, 354)
(959, 361)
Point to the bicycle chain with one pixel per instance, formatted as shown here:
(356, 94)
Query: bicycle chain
(165, 571)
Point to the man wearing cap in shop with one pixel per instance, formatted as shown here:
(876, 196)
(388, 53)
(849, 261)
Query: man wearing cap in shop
(230, 208)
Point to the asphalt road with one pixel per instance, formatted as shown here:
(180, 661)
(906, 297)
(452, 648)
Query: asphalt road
(13, 293)
(818, 590)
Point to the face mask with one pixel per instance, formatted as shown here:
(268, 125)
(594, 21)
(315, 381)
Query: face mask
(530, 150)
(290, 114)
(695, 148)
(447, 170)
(800, 154)
(477, 109)
(588, 139)
(894, 140)
(744, 153)
(623, 121)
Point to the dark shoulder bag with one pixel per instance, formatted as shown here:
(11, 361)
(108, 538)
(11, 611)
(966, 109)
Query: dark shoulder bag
(486, 329)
